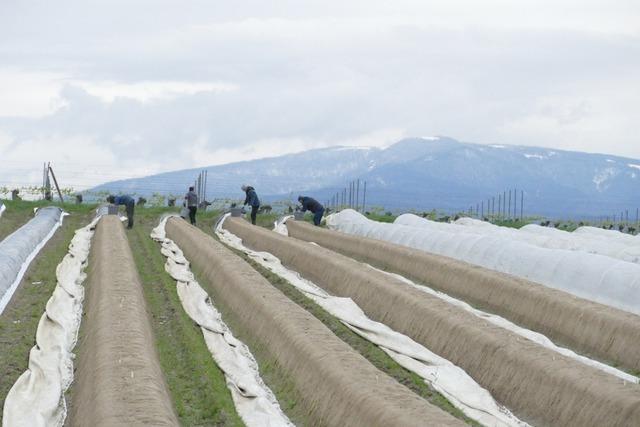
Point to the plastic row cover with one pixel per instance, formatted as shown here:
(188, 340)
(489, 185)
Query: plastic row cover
(17, 250)
(590, 276)
(2, 209)
(536, 235)
(599, 233)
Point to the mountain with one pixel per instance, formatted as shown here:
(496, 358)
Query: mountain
(423, 174)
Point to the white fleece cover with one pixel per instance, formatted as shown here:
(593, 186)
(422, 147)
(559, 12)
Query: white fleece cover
(536, 337)
(37, 397)
(594, 277)
(280, 225)
(445, 377)
(610, 235)
(21, 247)
(2, 209)
(544, 237)
(254, 401)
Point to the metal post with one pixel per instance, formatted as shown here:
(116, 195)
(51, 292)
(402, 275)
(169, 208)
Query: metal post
(509, 211)
(482, 211)
(55, 181)
(364, 198)
(358, 195)
(504, 204)
(44, 180)
(521, 205)
(499, 205)
(206, 179)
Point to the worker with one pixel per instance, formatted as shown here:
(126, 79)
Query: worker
(251, 200)
(312, 205)
(191, 202)
(129, 204)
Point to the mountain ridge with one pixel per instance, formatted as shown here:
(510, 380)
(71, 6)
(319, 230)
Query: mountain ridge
(423, 174)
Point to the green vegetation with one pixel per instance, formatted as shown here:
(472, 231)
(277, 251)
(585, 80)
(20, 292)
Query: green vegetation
(20, 319)
(197, 385)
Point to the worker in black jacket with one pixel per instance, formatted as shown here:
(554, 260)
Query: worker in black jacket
(312, 205)
(251, 200)
(128, 202)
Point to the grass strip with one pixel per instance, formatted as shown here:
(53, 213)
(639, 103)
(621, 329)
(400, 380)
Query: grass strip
(196, 384)
(20, 319)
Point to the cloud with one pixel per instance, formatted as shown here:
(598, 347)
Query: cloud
(152, 86)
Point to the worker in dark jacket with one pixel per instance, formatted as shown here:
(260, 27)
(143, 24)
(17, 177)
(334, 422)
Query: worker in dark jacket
(191, 202)
(251, 200)
(312, 205)
(129, 204)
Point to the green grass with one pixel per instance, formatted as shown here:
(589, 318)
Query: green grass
(19, 321)
(367, 349)
(196, 384)
(381, 217)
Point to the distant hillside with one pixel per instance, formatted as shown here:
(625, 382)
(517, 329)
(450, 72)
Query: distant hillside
(426, 173)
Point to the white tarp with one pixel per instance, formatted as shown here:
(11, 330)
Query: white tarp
(445, 377)
(254, 401)
(544, 237)
(595, 277)
(536, 337)
(20, 248)
(37, 397)
(610, 235)
(525, 333)
(2, 209)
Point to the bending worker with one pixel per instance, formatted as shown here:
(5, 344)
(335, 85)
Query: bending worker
(191, 202)
(312, 205)
(128, 202)
(251, 200)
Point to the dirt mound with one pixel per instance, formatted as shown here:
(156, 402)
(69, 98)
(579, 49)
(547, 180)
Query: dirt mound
(593, 329)
(335, 384)
(119, 380)
(538, 384)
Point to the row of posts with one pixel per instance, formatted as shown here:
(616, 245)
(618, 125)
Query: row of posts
(622, 219)
(200, 186)
(349, 197)
(507, 206)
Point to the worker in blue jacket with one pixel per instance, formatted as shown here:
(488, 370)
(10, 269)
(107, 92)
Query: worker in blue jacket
(129, 204)
(251, 200)
(312, 205)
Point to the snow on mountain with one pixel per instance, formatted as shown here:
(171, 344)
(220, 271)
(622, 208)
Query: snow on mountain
(425, 173)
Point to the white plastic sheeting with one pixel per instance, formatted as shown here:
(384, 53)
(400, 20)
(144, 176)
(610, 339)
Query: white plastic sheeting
(2, 209)
(614, 235)
(20, 248)
(590, 276)
(254, 401)
(445, 377)
(525, 333)
(37, 397)
(533, 234)
(280, 225)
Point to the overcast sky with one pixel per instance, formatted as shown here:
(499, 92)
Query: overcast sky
(108, 89)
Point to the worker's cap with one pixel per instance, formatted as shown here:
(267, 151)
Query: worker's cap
(244, 187)
(300, 198)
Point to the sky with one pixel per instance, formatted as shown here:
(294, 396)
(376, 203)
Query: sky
(115, 89)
